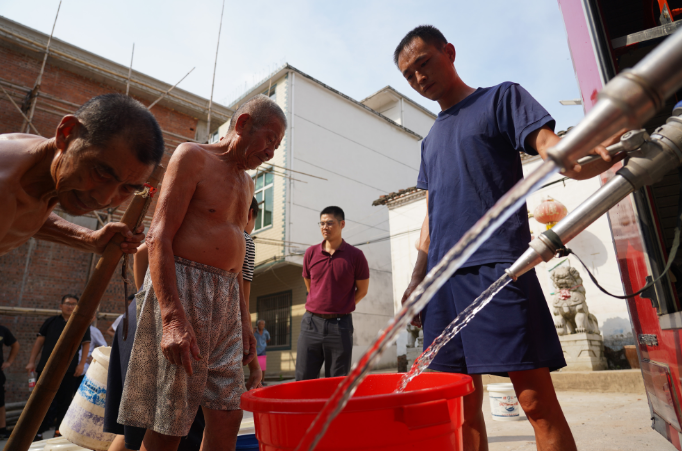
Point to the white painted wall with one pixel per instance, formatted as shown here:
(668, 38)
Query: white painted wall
(594, 246)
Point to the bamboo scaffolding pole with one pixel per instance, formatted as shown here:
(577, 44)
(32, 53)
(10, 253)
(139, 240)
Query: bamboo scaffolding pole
(36, 88)
(215, 65)
(99, 68)
(180, 139)
(130, 70)
(167, 92)
(69, 341)
(20, 112)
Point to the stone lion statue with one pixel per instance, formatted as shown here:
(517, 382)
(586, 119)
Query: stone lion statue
(571, 315)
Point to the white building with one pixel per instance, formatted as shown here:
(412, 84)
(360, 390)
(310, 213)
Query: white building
(355, 151)
(407, 208)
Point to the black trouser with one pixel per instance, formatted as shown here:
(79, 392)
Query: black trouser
(324, 340)
(60, 403)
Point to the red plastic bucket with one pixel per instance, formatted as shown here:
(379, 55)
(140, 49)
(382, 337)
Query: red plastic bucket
(426, 416)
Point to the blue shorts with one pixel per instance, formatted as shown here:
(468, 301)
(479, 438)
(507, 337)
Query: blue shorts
(514, 332)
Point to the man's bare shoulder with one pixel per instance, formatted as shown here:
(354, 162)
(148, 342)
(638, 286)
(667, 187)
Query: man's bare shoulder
(189, 157)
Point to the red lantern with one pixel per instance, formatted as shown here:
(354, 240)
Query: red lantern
(550, 212)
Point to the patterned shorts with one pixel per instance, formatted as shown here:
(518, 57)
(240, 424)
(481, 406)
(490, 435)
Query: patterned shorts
(160, 396)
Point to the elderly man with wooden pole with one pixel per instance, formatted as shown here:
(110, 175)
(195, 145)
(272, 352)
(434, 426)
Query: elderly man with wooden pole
(98, 158)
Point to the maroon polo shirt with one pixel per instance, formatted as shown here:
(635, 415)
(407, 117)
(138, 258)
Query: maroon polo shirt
(332, 278)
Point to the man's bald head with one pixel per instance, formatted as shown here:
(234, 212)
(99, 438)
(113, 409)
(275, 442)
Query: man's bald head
(262, 110)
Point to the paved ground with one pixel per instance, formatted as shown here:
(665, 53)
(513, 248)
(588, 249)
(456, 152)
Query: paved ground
(599, 421)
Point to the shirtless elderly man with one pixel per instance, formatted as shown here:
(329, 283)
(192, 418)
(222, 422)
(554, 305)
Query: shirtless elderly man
(98, 158)
(194, 331)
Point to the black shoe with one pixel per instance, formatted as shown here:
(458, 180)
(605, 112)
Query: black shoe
(38, 437)
(263, 384)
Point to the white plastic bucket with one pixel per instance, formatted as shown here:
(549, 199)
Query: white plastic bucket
(503, 403)
(84, 421)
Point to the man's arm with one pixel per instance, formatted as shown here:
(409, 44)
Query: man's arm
(80, 369)
(179, 344)
(307, 284)
(37, 346)
(421, 266)
(361, 288)
(59, 230)
(140, 265)
(13, 350)
(544, 139)
(247, 294)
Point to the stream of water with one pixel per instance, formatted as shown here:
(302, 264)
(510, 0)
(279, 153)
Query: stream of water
(434, 280)
(453, 329)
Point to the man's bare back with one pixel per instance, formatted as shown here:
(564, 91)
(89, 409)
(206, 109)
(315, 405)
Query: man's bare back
(24, 209)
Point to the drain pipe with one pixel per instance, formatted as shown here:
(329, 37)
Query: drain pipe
(627, 101)
(647, 164)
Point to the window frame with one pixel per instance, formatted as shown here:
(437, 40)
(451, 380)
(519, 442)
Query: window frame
(259, 300)
(261, 204)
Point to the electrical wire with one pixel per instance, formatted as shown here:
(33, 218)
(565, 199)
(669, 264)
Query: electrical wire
(359, 144)
(340, 175)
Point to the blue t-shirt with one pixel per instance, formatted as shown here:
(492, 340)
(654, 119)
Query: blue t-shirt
(469, 160)
(261, 341)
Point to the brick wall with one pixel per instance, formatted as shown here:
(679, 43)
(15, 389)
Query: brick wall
(38, 273)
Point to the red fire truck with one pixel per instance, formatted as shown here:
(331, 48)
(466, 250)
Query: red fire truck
(606, 37)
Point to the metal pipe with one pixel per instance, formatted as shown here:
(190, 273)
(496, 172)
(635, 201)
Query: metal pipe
(645, 166)
(627, 101)
(69, 341)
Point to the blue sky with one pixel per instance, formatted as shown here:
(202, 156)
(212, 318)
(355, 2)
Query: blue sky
(347, 45)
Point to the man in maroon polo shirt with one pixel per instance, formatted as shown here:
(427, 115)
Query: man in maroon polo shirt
(337, 277)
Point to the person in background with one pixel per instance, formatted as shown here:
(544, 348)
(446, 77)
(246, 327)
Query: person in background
(96, 340)
(7, 339)
(249, 260)
(262, 342)
(111, 331)
(48, 335)
(336, 275)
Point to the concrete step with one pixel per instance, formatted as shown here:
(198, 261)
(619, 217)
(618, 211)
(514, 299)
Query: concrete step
(610, 381)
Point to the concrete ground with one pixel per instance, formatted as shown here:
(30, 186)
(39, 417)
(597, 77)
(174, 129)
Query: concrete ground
(599, 421)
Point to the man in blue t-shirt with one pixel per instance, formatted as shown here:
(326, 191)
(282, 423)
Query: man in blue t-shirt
(468, 161)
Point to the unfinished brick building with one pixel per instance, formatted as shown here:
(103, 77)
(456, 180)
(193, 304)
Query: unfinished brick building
(36, 275)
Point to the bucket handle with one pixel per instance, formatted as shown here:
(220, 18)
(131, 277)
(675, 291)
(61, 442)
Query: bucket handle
(423, 415)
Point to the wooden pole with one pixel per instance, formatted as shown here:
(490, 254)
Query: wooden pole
(36, 88)
(70, 339)
(215, 65)
(169, 90)
(130, 70)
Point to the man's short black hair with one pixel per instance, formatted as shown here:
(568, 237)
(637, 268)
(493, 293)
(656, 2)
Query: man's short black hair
(254, 208)
(428, 33)
(69, 296)
(334, 211)
(111, 116)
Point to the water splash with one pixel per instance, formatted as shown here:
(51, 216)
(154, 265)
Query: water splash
(451, 262)
(453, 329)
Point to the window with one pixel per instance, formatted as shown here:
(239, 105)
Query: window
(275, 310)
(264, 196)
(271, 92)
(214, 137)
